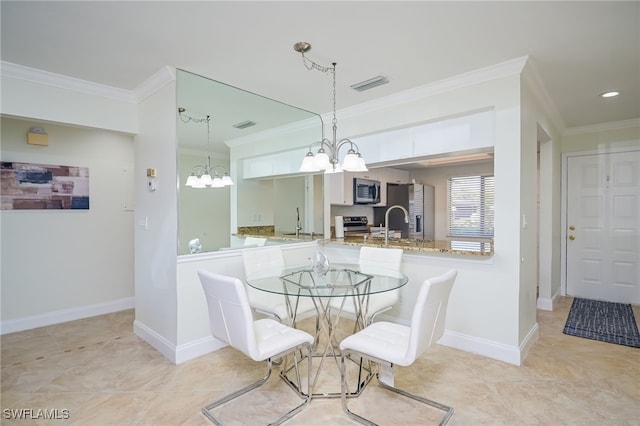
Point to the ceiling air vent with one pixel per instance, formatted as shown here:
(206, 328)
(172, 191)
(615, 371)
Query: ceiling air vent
(244, 124)
(371, 83)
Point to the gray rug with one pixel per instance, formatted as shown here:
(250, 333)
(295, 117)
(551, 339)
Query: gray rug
(604, 321)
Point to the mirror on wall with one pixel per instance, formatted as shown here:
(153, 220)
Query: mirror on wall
(207, 214)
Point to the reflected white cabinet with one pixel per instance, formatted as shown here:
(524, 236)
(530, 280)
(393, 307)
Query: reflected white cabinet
(277, 164)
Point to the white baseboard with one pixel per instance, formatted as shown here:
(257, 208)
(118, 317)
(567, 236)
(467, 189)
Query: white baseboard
(511, 354)
(548, 304)
(161, 344)
(528, 342)
(544, 303)
(176, 354)
(65, 315)
(198, 348)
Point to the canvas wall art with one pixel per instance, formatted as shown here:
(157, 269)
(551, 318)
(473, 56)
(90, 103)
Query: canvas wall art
(28, 186)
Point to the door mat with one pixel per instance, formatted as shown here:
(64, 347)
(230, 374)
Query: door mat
(604, 321)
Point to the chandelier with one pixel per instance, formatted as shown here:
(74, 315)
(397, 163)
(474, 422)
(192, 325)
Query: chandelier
(327, 156)
(201, 176)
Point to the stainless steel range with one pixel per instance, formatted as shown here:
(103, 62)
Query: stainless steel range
(355, 225)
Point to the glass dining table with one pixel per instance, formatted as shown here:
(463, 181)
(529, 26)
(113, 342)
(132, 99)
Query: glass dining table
(344, 281)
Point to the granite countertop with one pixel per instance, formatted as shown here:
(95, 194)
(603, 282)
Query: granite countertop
(270, 233)
(460, 247)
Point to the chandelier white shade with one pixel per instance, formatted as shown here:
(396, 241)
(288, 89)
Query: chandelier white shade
(328, 151)
(201, 175)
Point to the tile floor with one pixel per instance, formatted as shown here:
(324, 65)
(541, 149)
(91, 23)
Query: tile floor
(102, 374)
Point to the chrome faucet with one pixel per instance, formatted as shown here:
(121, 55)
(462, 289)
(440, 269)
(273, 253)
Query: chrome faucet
(298, 224)
(386, 221)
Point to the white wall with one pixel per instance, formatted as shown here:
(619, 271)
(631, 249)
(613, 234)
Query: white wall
(63, 265)
(496, 288)
(288, 194)
(618, 135)
(156, 219)
(542, 187)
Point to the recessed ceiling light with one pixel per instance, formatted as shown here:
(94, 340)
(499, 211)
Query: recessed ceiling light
(609, 94)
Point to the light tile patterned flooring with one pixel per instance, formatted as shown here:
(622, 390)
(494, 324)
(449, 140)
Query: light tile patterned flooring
(103, 374)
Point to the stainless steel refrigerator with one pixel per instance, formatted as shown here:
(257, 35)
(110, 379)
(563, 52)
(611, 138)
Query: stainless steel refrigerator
(419, 202)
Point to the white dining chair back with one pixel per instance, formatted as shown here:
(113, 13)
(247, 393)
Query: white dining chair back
(231, 321)
(429, 315)
(230, 318)
(267, 261)
(400, 344)
(376, 261)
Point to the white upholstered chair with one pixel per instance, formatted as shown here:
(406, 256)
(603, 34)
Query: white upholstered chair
(268, 261)
(389, 343)
(373, 260)
(231, 321)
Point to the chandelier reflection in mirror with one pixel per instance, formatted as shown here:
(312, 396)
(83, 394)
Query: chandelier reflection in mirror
(205, 176)
(327, 156)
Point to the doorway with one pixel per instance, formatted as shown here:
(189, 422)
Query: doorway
(601, 225)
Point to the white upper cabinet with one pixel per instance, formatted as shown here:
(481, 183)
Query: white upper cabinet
(474, 131)
(469, 132)
(391, 175)
(278, 164)
(341, 188)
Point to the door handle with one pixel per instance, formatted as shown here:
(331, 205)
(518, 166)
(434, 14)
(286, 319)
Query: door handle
(571, 237)
(572, 228)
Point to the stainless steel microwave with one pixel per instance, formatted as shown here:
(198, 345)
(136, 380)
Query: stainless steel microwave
(366, 191)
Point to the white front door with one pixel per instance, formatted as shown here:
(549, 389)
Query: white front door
(603, 227)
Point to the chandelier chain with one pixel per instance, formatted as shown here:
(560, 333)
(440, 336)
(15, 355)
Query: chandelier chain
(324, 160)
(335, 120)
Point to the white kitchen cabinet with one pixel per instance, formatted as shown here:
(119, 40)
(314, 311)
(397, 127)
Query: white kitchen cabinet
(342, 185)
(277, 164)
(372, 174)
(391, 175)
(341, 188)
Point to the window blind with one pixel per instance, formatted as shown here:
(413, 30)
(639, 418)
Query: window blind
(471, 206)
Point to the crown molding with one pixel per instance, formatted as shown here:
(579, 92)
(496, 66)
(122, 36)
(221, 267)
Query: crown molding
(481, 75)
(531, 76)
(157, 81)
(60, 81)
(602, 127)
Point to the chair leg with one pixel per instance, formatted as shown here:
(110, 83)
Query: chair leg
(207, 410)
(448, 410)
(343, 396)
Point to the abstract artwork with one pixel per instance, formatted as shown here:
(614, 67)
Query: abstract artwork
(27, 186)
